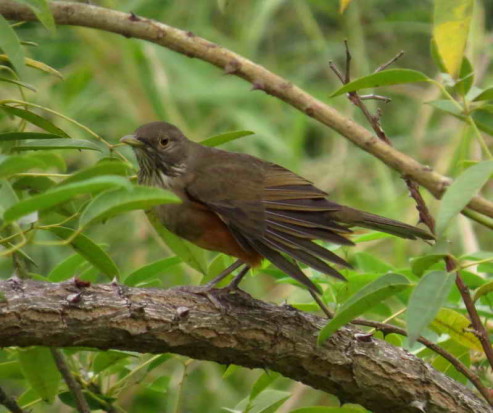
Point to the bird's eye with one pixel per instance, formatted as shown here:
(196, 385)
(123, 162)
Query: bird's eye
(164, 142)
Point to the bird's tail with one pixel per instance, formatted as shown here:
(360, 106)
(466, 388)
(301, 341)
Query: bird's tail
(371, 221)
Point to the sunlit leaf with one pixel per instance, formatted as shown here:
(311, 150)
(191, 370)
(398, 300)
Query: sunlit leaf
(120, 200)
(460, 192)
(189, 253)
(40, 371)
(149, 271)
(383, 78)
(450, 31)
(10, 44)
(264, 381)
(370, 295)
(35, 119)
(457, 326)
(62, 143)
(105, 359)
(466, 77)
(225, 137)
(343, 5)
(89, 250)
(428, 296)
(60, 194)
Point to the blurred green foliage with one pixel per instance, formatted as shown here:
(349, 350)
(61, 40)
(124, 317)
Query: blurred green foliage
(113, 84)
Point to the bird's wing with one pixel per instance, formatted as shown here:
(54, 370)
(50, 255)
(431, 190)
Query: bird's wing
(270, 209)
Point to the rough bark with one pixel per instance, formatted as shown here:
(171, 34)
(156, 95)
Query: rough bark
(247, 332)
(189, 44)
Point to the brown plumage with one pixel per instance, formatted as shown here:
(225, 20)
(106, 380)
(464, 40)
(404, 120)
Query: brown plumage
(249, 208)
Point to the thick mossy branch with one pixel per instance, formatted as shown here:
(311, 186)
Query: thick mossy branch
(187, 43)
(248, 333)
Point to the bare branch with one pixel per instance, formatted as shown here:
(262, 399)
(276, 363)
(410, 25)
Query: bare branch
(252, 334)
(194, 46)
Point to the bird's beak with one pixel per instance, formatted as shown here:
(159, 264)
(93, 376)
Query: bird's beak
(132, 141)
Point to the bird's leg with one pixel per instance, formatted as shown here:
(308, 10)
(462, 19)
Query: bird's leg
(223, 274)
(233, 285)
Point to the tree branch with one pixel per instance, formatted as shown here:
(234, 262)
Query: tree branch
(252, 334)
(191, 45)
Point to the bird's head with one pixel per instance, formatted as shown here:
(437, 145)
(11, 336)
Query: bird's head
(161, 150)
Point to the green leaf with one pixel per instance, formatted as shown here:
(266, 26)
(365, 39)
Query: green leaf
(383, 78)
(60, 194)
(450, 31)
(111, 203)
(264, 381)
(35, 119)
(14, 136)
(66, 268)
(466, 77)
(420, 264)
(225, 137)
(461, 191)
(149, 271)
(369, 296)
(42, 11)
(269, 401)
(8, 197)
(10, 44)
(105, 359)
(101, 168)
(63, 143)
(18, 83)
(457, 327)
(486, 94)
(483, 290)
(12, 165)
(40, 371)
(89, 250)
(427, 298)
(189, 253)
(369, 263)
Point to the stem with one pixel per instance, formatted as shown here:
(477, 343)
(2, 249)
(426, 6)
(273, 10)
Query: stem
(10, 403)
(69, 379)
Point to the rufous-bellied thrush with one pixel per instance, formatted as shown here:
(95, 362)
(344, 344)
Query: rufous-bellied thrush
(246, 207)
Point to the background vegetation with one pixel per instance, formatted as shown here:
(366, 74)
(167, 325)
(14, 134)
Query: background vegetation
(112, 85)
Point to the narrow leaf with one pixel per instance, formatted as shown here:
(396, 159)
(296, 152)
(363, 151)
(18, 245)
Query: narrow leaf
(35, 119)
(111, 203)
(40, 371)
(427, 298)
(189, 253)
(42, 12)
(343, 5)
(66, 268)
(60, 194)
(10, 44)
(420, 264)
(150, 271)
(483, 290)
(461, 191)
(101, 168)
(225, 137)
(12, 165)
(47, 144)
(486, 94)
(18, 83)
(452, 19)
(89, 250)
(384, 78)
(323, 409)
(264, 381)
(457, 327)
(14, 136)
(370, 295)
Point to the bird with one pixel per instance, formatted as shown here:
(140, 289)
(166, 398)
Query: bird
(248, 208)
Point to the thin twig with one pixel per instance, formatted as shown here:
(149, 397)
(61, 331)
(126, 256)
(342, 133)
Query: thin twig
(72, 384)
(10, 403)
(390, 62)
